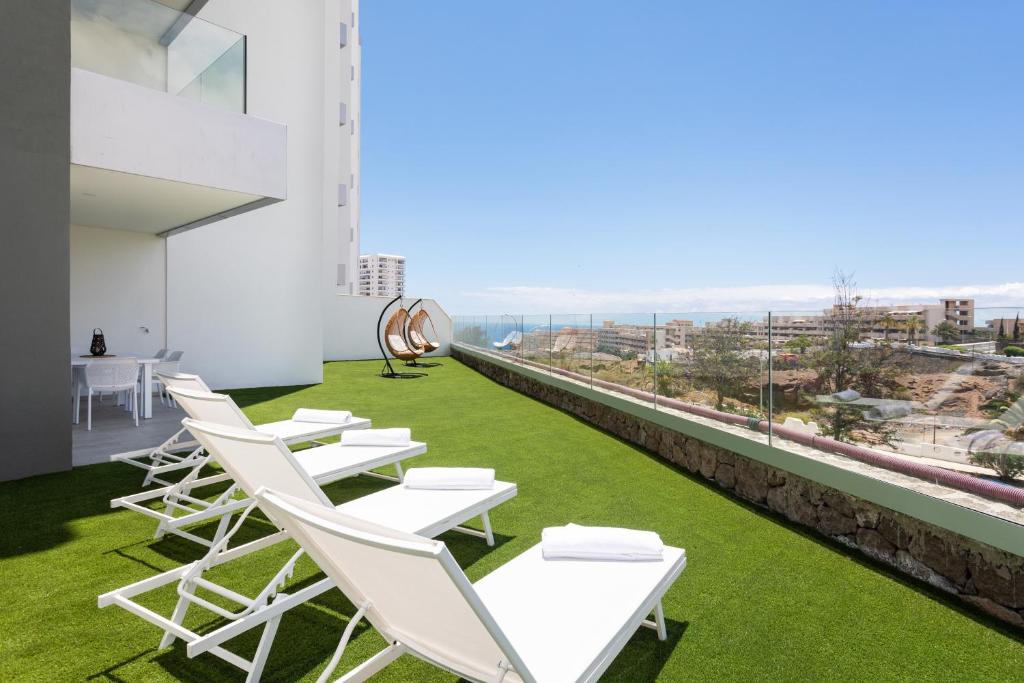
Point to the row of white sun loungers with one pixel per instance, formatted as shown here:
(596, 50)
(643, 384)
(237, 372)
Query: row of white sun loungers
(533, 619)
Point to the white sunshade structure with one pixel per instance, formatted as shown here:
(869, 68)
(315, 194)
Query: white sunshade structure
(530, 620)
(256, 461)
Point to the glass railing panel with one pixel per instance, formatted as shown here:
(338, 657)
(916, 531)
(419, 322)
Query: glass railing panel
(153, 45)
(714, 360)
(571, 343)
(890, 381)
(536, 343)
(917, 383)
(620, 347)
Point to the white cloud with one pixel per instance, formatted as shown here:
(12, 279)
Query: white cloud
(779, 298)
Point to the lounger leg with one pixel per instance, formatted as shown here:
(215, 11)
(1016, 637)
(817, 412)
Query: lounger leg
(221, 529)
(373, 665)
(342, 644)
(259, 660)
(659, 619)
(398, 470)
(488, 533)
(178, 617)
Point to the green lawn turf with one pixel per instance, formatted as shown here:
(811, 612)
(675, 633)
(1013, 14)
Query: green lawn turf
(759, 599)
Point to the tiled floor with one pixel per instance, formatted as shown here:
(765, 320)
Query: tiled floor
(114, 431)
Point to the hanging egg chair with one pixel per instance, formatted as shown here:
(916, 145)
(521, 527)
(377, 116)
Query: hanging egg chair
(395, 341)
(417, 333)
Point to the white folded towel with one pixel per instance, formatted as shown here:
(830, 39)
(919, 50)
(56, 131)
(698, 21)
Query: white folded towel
(574, 542)
(396, 436)
(847, 395)
(322, 416)
(450, 478)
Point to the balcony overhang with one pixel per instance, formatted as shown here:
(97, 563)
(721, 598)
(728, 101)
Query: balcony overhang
(147, 161)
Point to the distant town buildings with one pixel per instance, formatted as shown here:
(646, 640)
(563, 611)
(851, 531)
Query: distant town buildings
(673, 339)
(897, 323)
(1006, 327)
(636, 339)
(676, 332)
(381, 275)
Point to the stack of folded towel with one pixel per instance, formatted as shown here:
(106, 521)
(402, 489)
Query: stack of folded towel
(397, 436)
(847, 395)
(574, 542)
(449, 478)
(322, 416)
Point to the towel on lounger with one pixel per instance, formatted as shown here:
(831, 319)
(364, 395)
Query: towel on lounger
(397, 436)
(449, 478)
(322, 416)
(574, 542)
(848, 395)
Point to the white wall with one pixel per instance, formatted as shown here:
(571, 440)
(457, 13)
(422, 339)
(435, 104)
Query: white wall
(245, 294)
(342, 81)
(117, 284)
(125, 127)
(350, 327)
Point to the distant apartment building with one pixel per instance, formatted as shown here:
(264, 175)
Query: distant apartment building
(1006, 327)
(676, 332)
(638, 339)
(896, 323)
(381, 275)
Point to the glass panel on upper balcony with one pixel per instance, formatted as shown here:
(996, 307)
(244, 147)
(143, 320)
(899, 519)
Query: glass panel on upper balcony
(155, 45)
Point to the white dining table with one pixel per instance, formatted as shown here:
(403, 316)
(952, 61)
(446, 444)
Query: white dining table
(146, 409)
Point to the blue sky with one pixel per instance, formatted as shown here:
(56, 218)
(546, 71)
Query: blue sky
(590, 155)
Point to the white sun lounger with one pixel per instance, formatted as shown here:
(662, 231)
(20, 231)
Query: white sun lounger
(324, 463)
(529, 620)
(181, 452)
(254, 461)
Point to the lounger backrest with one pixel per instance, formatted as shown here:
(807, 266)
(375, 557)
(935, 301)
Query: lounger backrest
(255, 460)
(207, 406)
(417, 593)
(182, 380)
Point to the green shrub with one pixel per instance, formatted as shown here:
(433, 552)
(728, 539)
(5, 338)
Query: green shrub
(1014, 351)
(1006, 465)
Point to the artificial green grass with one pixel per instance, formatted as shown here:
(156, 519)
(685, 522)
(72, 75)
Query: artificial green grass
(758, 600)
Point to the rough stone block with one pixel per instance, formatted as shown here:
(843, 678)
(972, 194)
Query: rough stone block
(725, 475)
(751, 480)
(874, 545)
(832, 522)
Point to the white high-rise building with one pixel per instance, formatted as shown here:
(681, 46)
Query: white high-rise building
(381, 275)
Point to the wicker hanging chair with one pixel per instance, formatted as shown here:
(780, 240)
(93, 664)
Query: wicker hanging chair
(417, 335)
(394, 337)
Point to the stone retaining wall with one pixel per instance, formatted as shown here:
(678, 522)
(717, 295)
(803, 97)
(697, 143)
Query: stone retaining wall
(986, 578)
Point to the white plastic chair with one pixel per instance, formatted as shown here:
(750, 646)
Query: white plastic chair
(170, 364)
(108, 376)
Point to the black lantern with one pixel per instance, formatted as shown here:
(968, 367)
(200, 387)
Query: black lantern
(99, 346)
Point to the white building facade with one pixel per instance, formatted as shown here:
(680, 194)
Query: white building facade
(184, 174)
(215, 168)
(381, 275)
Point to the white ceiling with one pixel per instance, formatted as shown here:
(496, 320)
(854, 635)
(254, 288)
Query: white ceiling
(122, 201)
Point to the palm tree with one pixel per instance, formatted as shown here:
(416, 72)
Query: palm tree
(887, 322)
(913, 324)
